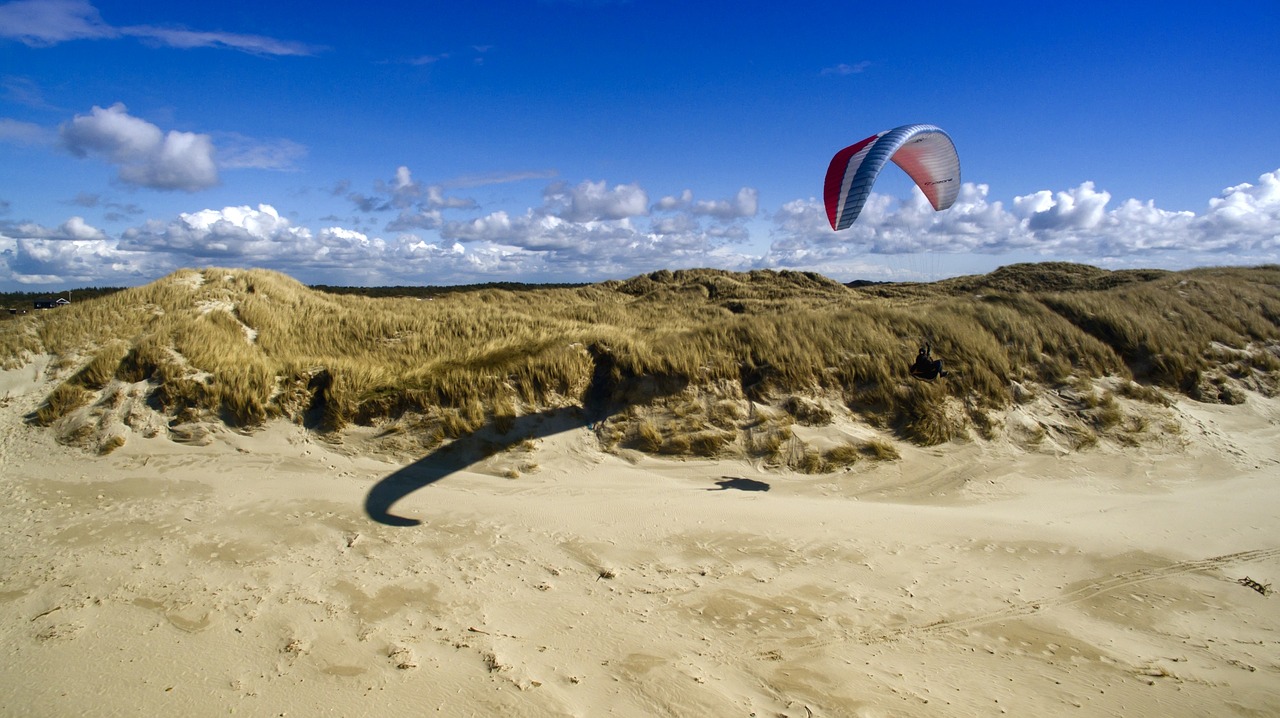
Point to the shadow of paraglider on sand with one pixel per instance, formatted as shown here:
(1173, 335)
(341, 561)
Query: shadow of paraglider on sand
(612, 388)
(462, 453)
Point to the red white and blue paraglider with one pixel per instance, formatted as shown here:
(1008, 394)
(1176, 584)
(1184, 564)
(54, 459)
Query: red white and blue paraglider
(924, 152)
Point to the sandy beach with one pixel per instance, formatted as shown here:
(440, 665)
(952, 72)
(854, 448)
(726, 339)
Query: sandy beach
(247, 576)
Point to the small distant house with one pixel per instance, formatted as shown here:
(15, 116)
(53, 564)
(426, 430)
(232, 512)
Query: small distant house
(52, 303)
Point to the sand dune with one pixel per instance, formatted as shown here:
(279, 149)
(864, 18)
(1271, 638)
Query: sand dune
(968, 579)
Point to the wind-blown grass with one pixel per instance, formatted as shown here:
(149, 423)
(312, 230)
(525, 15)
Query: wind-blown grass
(247, 346)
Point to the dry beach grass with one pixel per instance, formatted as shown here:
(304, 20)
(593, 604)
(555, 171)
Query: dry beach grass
(245, 347)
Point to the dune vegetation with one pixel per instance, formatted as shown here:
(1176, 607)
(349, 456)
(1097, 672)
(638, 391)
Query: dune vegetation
(685, 363)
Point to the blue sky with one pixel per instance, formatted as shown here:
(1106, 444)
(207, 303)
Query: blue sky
(560, 140)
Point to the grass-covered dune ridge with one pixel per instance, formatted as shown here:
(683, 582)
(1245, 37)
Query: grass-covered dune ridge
(688, 362)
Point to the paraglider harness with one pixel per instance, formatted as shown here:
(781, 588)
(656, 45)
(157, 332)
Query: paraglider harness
(926, 367)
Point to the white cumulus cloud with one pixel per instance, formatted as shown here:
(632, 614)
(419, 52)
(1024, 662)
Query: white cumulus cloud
(419, 205)
(588, 201)
(242, 233)
(592, 229)
(71, 252)
(261, 237)
(1246, 213)
(744, 204)
(146, 155)
(1081, 208)
(74, 228)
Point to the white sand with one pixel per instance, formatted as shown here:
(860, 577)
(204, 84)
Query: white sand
(971, 579)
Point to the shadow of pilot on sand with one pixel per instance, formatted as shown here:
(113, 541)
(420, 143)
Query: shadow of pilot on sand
(739, 484)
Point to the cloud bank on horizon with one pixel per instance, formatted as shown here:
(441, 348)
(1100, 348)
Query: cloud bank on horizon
(591, 231)
(162, 203)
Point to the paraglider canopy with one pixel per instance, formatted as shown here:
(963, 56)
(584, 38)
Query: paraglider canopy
(924, 152)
